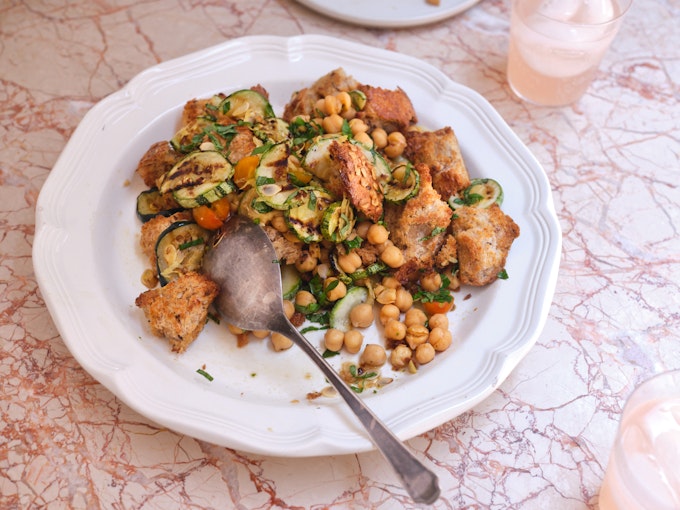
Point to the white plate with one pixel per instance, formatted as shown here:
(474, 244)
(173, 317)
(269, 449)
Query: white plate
(388, 13)
(88, 263)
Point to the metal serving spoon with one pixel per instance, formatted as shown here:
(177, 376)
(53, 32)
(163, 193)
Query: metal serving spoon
(242, 261)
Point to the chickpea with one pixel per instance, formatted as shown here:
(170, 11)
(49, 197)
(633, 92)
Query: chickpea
(306, 262)
(304, 298)
(403, 299)
(280, 342)
(337, 289)
(431, 282)
(332, 123)
(392, 256)
(261, 333)
(388, 312)
(364, 139)
(235, 330)
(416, 335)
(333, 339)
(377, 234)
(415, 317)
(349, 113)
(357, 126)
(362, 229)
(349, 262)
(379, 136)
(391, 282)
(424, 353)
(440, 339)
(374, 355)
(353, 341)
(332, 105)
(361, 316)
(438, 320)
(400, 356)
(395, 331)
(384, 295)
(279, 223)
(345, 100)
(320, 106)
(288, 308)
(396, 143)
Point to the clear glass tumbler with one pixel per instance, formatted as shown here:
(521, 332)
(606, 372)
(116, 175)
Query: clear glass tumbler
(644, 464)
(556, 46)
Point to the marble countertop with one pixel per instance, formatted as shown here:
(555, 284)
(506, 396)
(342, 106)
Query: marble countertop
(540, 441)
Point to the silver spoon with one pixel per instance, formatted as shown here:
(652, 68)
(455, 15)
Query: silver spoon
(242, 261)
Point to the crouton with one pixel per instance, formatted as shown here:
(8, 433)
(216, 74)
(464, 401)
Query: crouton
(179, 310)
(390, 110)
(357, 175)
(419, 227)
(153, 228)
(483, 239)
(440, 151)
(286, 250)
(242, 144)
(303, 101)
(157, 161)
(448, 253)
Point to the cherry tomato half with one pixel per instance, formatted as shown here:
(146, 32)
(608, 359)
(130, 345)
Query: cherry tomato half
(433, 307)
(212, 216)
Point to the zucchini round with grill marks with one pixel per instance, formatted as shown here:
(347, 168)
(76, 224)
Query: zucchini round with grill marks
(249, 106)
(198, 179)
(481, 193)
(305, 219)
(152, 202)
(180, 249)
(338, 221)
(403, 185)
(318, 160)
(272, 181)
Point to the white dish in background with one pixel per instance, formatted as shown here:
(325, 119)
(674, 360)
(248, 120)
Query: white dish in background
(88, 263)
(388, 13)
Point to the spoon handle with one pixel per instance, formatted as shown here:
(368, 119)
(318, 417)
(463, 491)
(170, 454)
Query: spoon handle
(421, 483)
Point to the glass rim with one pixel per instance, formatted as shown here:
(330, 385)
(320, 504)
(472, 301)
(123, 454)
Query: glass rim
(623, 4)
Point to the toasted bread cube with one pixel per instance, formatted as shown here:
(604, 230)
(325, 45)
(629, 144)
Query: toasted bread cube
(483, 240)
(419, 227)
(440, 151)
(303, 101)
(357, 175)
(157, 161)
(179, 310)
(390, 110)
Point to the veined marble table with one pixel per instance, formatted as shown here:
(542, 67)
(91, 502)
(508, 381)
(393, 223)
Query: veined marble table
(540, 441)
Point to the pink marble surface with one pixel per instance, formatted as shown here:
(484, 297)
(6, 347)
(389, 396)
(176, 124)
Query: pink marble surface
(540, 441)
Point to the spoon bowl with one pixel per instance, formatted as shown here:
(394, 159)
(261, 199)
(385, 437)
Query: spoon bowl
(243, 262)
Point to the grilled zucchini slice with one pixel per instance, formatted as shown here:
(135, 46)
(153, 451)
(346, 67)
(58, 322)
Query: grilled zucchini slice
(272, 181)
(180, 249)
(481, 193)
(403, 185)
(248, 106)
(305, 218)
(317, 160)
(338, 221)
(200, 178)
(152, 202)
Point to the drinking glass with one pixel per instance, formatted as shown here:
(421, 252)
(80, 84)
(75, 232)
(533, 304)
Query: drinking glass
(556, 46)
(644, 464)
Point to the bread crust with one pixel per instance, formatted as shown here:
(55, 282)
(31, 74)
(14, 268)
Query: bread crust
(157, 161)
(440, 151)
(419, 227)
(179, 310)
(390, 110)
(483, 240)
